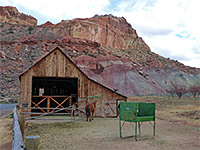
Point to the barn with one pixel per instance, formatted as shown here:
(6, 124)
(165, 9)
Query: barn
(54, 81)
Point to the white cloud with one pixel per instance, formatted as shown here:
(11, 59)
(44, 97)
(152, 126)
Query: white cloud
(60, 9)
(170, 27)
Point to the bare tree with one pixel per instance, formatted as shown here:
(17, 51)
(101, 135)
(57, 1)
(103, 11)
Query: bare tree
(195, 89)
(179, 90)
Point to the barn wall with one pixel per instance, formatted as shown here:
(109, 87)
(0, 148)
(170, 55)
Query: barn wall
(56, 64)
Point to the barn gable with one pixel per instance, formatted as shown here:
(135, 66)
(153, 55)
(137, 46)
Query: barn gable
(56, 74)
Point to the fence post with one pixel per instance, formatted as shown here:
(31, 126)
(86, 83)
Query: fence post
(22, 125)
(32, 142)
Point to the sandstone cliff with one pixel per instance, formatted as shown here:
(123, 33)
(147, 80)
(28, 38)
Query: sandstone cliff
(12, 15)
(108, 30)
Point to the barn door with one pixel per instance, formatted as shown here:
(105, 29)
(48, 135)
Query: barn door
(111, 108)
(49, 94)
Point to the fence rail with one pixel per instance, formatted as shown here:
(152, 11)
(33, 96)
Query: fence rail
(18, 143)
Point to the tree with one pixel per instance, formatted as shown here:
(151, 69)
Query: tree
(195, 89)
(179, 90)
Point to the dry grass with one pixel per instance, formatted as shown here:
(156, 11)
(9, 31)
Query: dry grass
(173, 109)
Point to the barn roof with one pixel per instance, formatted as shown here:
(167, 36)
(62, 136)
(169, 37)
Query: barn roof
(58, 48)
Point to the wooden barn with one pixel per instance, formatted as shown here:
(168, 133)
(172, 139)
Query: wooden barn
(56, 82)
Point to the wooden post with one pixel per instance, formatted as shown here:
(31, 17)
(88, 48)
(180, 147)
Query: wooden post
(22, 125)
(70, 101)
(48, 104)
(74, 110)
(32, 142)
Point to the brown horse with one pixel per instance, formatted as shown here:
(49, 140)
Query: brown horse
(89, 110)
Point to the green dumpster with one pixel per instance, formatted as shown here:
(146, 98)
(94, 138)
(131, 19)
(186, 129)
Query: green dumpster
(137, 113)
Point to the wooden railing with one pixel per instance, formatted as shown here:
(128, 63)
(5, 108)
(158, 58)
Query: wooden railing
(49, 99)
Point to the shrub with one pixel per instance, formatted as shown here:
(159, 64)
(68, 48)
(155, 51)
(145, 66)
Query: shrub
(194, 90)
(179, 90)
(30, 29)
(11, 30)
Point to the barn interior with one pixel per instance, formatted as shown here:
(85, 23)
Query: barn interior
(49, 92)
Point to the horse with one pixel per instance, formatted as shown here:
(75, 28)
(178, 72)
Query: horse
(90, 109)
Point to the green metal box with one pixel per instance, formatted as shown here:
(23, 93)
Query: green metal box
(128, 111)
(137, 112)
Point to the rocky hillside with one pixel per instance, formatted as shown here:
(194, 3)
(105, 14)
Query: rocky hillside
(105, 47)
(116, 36)
(12, 15)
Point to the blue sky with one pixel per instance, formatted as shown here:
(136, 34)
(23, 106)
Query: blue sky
(170, 27)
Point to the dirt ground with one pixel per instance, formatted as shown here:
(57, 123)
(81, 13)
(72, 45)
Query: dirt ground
(103, 133)
(177, 127)
(5, 130)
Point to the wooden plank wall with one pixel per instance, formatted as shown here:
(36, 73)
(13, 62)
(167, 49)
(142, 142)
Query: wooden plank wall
(56, 64)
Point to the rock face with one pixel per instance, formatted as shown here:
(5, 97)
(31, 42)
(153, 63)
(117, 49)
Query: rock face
(12, 15)
(47, 24)
(105, 47)
(108, 30)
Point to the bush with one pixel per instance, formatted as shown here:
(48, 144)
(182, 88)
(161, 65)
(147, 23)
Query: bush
(11, 30)
(179, 90)
(30, 29)
(194, 90)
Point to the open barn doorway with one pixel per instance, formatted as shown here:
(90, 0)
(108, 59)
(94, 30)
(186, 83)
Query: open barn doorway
(50, 94)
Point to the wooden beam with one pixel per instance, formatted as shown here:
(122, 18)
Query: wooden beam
(38, 107)
(48, 104)
(59, 104)
(40, 101)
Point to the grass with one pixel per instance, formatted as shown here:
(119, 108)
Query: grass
(4, 102)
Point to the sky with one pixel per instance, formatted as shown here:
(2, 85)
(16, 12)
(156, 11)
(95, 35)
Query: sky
(171, 28)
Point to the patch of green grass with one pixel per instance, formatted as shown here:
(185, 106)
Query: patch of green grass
(4, 102)
(10, 115)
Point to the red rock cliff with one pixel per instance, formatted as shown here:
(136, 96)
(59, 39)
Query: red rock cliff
(10, 14)
(108, 30)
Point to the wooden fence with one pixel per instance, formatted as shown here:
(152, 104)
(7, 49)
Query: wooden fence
(18, 143)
